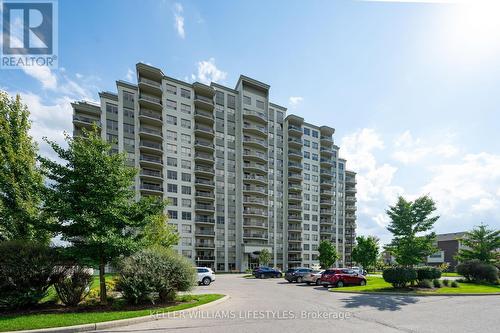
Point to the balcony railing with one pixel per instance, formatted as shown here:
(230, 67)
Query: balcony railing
(247, 199)
(204, 128)
(150, 113)
(154, 173)
(204, 207)
(204, 169)
(151, 98)
(255, 177)
(87, 120)
(204, 194)
(204, 181)
(151, 187)
(150, 131)
(149, 144)
(203, 219)
(151, 82)
(154, 159)
(204, 99)
(204, 156)
(255, 189)
(255, 166)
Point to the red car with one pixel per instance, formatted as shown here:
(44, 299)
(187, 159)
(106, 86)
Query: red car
(340, 277)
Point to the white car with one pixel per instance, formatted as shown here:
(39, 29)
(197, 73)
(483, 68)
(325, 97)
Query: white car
(359, 270)
(205, 275)
(313, 277)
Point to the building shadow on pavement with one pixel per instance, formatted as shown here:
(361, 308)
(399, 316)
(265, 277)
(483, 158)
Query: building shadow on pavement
(379, 302)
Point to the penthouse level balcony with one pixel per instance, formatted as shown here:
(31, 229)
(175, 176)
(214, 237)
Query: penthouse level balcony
(204, 116)
(255, 235)
(151, 174)
(254, 212)
(294, 154)
(151, 147)
(150, 133)
(204, 170)
(255, 129)
(204, 145)
(295, 130)
(203, 219)
(326, 162)
(254, 155)
(86, 122)
(253, 178)
(150, 102)
(254, 142)
(204, 102)
(294, 166)
(204, 157)
(204, 131)
(254, 115)
(151, 160)
(150, 86)
(255, 167)
(326, 140)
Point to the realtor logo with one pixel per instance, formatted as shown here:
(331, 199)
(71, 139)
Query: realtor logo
(29, 34)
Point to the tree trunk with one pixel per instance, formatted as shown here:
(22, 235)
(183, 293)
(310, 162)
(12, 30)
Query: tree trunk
(102, 281)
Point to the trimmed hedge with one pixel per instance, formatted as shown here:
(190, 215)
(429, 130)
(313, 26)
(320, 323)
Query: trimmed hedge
(428, 273)
(399, 277)
(475, 270)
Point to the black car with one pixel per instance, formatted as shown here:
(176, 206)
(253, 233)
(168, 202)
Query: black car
(297, 274)
(265, 272)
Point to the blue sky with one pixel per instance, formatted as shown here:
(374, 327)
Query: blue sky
(411, 87)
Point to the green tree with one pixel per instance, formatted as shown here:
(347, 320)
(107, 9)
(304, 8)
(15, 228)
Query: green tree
(410, 220)
(91, 196)
(264, 257)
(327, 254)
(20, 178)
(365, 252)
(481, 244)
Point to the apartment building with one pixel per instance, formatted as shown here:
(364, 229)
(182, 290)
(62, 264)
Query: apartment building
(239, 174)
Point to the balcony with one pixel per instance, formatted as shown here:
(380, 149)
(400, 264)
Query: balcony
(294, 249)
(294, 197)
(326, 212)
(326, 183)
(254, 212)
(294, 227)
(150, 133)
(295, 130)
(252, 142)
(151, 147)
(204, 245)
(86, 122)
(254, 115)
(201, 182)
(149, 85)
(326, 162)
(295, 208)
(295, 177)
(295, 217)
(254, 235)
(294, 142)
(293, 166)
(151, 174)
(350, 190)
(204, 219)
(325, 220)
(326, 140)
(324, 202)
(255, 179)
(351, 208)
(350, 199)
(151, 160)
(326, 193)
(204, 195)
(254, 201)
(326, 172)
(255, 167)
(255, 129)
(294, 239)
(205, 131)
(204, 258)
(204, 233)
(203, 102)
(251, 223)
(295, 154)
(294, 188)
(254, 155)
(151, 102)
(200, 207)
(204, 170)
(350, 216)
(204, 116)
(151, 188)
(326, 151)
(204, 145)
(204, 157)
(254, 189)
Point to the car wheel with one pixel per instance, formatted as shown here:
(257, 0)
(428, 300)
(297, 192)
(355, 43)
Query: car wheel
(206, 281)
(362, 283)
(289, 281)
(308, 283)
(299, 279)
(261, 276)
(326, 286)
(340, 284)
(317, 282)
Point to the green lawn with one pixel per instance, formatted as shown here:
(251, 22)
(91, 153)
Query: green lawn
(445, 274)
(35, 321)
(377, 284)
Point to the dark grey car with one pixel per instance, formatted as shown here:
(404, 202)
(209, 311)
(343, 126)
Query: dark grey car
(297, 274)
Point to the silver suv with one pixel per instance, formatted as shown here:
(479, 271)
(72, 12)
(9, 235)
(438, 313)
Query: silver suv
(205, 276)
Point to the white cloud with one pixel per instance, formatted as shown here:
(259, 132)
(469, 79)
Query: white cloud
(409, 150)
(43, 74)
(484, 204)
(295, 100)
(208, 72)
(130, 75)
(179, 20)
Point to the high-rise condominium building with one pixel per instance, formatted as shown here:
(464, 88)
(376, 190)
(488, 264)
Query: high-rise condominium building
(239, 174)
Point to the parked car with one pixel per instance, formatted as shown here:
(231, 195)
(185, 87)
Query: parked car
(205, 275)
(297, 274)
(265, 272)
(340, 277)
(359, 270)
(313, 277)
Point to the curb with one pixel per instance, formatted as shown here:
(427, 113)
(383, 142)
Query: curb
(408, 294)
(116, 323)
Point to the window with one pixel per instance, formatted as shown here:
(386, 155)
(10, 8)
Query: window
(172, 188)
(128, 97)
(186, 164)
(307, 176)
(314, 134)
(111, 108)
(315, 157)
(112, 138)
(186, 138)
(231, 101)
(315, 145)
(307, 154)
(172, 214)
(307, 143)
(185, 123)
(127, 128)
(171, 136)
(172, 148)
(172, 201)
(315, 168)
(186, 216)
(186, 190)
(186, 151)
(171, 161)
(171, 89)
(259, 104)
(171, 104)
(172, 120)
(186, 228)
(185, 93)
(186, 177)
(186, 108)
(219, 98)
(307, 166)
(128, 113)
(247, 100)
(186, 203)
(112, 124)
(172, 174)
(307, 131)
(186, 241)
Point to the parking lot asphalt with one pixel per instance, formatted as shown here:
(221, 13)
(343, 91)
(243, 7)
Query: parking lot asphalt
(273, 305)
